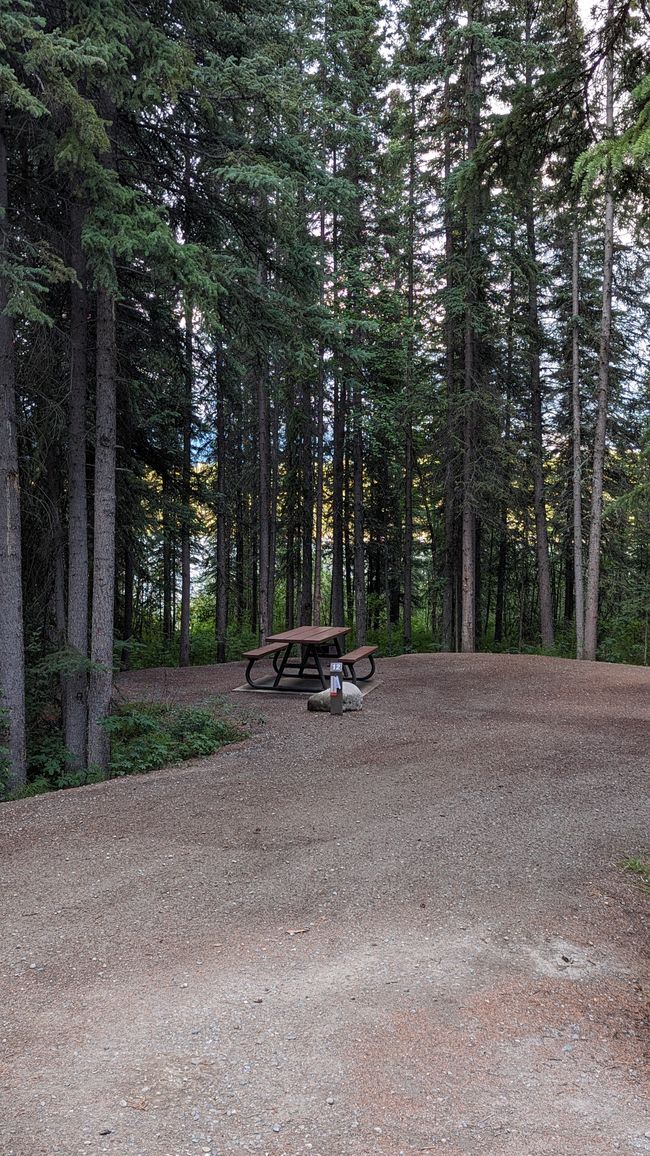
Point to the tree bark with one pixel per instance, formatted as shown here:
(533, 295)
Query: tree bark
(186, 491)
(604, 357)
(536, 442)
(410, 349)
(12, 650)
(320, 438)
(264, 510)
(222, 527)
(359, 547)
(468, 573)
(273, 512)
(75, 686)
(307, 507)
(338, 451)
(449, 491)
(57, 542)
(500, 601)
(578, 564)
(167, 622)
(101, 639)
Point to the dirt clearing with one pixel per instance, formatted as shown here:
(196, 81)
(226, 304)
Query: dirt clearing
(399, 931)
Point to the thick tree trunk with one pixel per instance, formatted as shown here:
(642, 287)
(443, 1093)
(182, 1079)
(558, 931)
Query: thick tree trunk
(264, 509)
(12, 652)
(57, 548)
(339, 524)
(241, 518)
(101, 639)
(274, 482)
(290, 574)
(75, 686)
(468, 578)
(500, 600)
(347, 537)
(410, 350)
(307, 509)
(320, 439)
(536, 443)
(576, 409)
(604, 356)
(292, 498)
(359, 546)
(167, 577)
(407, 632)
(222, 529)
(186, 491)
(449, 492)
(338, 477)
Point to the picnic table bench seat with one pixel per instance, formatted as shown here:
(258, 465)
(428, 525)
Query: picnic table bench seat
(350, 659)
(259, 652)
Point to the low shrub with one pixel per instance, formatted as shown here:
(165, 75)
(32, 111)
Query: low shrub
(146, 736)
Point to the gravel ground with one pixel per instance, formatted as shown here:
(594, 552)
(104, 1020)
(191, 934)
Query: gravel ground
(399, 931)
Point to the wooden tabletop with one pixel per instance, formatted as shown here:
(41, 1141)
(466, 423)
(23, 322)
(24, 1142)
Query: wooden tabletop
(309, 634)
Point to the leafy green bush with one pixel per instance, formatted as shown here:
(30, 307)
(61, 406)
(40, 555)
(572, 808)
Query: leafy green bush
(145, 736)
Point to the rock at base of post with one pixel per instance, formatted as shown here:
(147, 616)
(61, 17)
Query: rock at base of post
(352, 699)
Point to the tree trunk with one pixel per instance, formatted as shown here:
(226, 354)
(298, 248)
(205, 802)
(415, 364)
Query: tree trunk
(290, 568)
(241, 518)
(101, 639)
(338, 610)
(536, 446)
(410, 349)
(264, 509)
(57, 540)
(186, 491)
(359, 548)
(347, 540)
(468, 578)
(222, 526)
(500, 601)
(449, 492)
(12, 652)
(600, 435)
(167, 625)
(578, 563)
(273, 512)
(320, 438)
(75, 686)
(307, 510)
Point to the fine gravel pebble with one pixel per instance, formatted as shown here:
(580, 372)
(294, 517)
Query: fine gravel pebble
(400, 930)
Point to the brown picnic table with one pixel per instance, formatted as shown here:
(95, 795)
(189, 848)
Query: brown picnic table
(298, 654)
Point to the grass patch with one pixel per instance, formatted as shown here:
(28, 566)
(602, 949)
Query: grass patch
(640, 868)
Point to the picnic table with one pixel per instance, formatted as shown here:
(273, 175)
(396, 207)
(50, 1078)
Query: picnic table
(312, 644)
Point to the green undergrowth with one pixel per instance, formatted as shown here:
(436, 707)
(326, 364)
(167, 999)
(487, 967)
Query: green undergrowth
(147, 736)
(640, 868)
(144, 737)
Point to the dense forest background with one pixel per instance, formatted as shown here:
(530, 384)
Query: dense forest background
(317, 311)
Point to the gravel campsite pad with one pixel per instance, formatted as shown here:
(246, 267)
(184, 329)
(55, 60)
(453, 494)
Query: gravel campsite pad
(402, 930)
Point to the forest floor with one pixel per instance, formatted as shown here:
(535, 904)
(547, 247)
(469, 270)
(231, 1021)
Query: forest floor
(404, 930)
